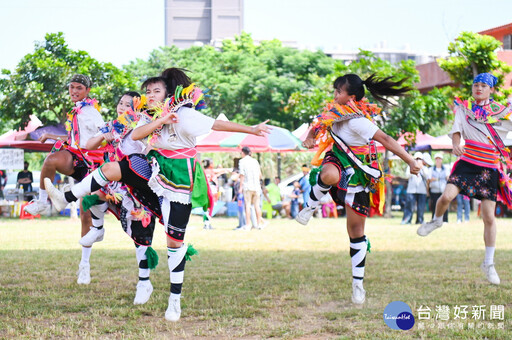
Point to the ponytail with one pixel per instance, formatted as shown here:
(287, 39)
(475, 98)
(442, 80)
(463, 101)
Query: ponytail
(379, 88)
(386, 87)
(175, 77)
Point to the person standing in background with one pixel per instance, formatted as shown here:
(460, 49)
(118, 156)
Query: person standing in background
(305, 186)
(250, 186)
(462, 204)
(3, 183)
(437, 183)
(416, 192)
(25, 179)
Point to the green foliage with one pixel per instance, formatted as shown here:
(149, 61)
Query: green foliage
(411, 113)
(471, 54)
(249, 83)
(38, 85)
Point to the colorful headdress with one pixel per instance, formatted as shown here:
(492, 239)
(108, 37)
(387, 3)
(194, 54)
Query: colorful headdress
(190, 95)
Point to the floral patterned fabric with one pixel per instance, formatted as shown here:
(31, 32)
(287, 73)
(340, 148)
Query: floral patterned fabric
(475, 181)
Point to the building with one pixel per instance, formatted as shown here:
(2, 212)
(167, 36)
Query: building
(383, 52)
(432, 75)
(190, 22)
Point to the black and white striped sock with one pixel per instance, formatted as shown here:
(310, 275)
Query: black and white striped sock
(98, 214)
(95, 181)
(176, 261)
(358, 247)
(142, 260)
(319, 190)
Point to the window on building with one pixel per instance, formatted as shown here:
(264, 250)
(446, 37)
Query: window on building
(507, 42)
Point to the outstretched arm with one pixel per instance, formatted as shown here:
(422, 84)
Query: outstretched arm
(393, 146)
(260, 130)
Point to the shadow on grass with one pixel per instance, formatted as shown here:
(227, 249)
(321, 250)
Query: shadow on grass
(284, 294)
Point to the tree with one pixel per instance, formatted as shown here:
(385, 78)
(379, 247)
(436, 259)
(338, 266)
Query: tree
(39, 83)
(472, 54)
(247, 82)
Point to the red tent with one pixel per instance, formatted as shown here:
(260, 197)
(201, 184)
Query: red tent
(17, 139)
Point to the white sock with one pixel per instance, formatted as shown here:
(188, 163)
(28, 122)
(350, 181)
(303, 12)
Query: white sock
(438, 218)
(489, 255)
(43, 195)
(86, 255)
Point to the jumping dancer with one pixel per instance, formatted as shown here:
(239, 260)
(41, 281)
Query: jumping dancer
(350, 171)
(170, 128)
(71, 157)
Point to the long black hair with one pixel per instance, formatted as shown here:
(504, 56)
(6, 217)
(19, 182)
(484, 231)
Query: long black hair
(173, 77)
(379, 88)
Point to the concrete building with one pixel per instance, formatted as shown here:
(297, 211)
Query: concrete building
(432, 75)
(189, 22)
(383, 52)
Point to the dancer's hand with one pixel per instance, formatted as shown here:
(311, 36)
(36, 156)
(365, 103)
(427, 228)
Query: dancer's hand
(458, 150)
(171, 118)
(415, 167)
(309, 143)
(261, 129)
(109, 136)
(44, 137)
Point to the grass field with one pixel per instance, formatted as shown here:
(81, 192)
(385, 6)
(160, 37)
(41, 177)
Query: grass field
(286, 281)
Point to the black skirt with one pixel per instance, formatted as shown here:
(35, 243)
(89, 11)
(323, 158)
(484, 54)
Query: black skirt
(475, 181)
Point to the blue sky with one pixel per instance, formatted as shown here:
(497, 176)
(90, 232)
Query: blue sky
(121, 30)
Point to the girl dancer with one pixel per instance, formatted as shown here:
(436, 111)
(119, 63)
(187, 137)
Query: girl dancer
(350, 170)
(170, 130)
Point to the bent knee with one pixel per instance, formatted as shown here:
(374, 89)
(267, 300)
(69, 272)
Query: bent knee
(330, 175)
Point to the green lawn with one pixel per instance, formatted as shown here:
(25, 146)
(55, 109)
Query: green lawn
(287, 281)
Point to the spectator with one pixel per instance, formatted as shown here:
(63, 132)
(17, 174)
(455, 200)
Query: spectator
(462, 204)
(304, 183)
(416, 192)
(328, 206)
(3, 183)
(238, 197)
(297, 190)
(25, 180)
(272, 194)
(437, 183)
(250, 177)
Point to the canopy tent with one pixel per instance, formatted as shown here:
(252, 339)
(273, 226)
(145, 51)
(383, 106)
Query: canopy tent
(278, 140)
(18, 139)
(302, 131)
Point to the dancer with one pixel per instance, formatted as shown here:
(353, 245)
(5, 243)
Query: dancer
(170, 130)
(70, 156)
(135, 220)
(350, 171)
(479, 173)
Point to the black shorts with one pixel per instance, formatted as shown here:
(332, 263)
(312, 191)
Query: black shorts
(179, 216)
(135, 173)
(359, 202)
(81, 169)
